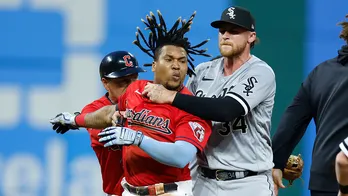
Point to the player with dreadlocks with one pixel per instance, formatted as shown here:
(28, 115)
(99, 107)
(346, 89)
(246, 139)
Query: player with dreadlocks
(160, 37)
(160, 140)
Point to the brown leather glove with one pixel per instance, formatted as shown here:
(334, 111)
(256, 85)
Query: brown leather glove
(293, 169)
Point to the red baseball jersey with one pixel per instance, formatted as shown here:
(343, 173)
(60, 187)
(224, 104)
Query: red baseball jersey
(110, 160)
(162, 122)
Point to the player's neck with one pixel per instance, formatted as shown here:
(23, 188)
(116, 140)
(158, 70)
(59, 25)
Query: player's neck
(112, 99)
(231, 64)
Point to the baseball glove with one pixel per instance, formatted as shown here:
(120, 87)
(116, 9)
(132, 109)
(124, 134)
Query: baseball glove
(293, 168)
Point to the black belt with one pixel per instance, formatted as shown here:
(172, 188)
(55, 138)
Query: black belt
(223, 175)
(156, 189)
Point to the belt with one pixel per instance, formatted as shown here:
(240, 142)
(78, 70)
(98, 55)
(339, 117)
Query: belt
(224, 175)
(156, 189)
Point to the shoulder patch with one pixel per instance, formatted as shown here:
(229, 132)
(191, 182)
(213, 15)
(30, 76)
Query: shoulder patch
(198, 130)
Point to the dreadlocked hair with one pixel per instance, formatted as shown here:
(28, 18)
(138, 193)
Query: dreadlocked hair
(160, 36)
(344, 32)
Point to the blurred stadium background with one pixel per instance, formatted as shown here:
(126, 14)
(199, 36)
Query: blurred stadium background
(49, 56)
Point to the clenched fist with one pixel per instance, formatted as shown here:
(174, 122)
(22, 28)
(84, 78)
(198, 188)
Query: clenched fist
(63, 122)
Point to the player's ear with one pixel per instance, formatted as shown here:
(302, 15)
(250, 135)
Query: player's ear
(154, 64)
(252, 37)
(105, 83)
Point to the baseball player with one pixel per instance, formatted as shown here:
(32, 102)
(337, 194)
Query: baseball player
(117, 70)
(237, 92)
(160, 140)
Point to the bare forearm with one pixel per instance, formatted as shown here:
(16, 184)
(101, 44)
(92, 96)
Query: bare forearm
(341, 168)
(99, 119)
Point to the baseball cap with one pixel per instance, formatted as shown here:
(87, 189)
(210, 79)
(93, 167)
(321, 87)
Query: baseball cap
(237, 16)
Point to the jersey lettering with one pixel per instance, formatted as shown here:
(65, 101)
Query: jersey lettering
(152, 122)
(200, 93)
(237, 125)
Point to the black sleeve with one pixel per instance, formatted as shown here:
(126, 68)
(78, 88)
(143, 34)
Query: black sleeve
(292, 127)
(216, 109)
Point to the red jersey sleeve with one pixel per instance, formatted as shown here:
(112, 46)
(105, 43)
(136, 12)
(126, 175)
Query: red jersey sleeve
(90, 108)
(193, 130)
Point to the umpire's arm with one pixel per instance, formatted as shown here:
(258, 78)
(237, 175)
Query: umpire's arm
(292, 126)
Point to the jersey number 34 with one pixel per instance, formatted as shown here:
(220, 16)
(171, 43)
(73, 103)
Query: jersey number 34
(237, 125)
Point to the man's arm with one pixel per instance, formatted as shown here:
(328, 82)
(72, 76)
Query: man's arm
(191, 135)
(89, 118)
(242, 97)
(99, 119)
(292, 127)
(177, 154)
(216, 109)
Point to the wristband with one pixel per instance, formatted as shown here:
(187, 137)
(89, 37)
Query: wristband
(80, 120)
(138, 138)
(343, 188)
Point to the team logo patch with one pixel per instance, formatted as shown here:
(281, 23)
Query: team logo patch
(198, 130)
(127, 60)
(231, 13)
(251, 84)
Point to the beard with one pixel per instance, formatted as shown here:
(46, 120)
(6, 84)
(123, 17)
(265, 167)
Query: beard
(173, 86)
(231, 50)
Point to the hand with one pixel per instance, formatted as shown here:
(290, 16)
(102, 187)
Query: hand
(277, 175)
(118, 118)
(157, 93)
(63, 122)
(120, 136)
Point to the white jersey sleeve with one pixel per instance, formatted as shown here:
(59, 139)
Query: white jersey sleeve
(254, 87)
(192, 84)
(344, 146)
